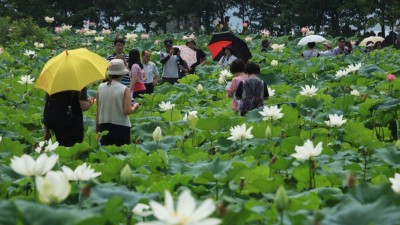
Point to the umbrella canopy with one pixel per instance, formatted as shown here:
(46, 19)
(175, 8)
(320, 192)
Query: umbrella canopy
(223, 39)
(372, 38)
(311, 38)
(72, 70)
(188, 54)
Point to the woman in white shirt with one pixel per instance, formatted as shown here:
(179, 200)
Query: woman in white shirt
(228, 58)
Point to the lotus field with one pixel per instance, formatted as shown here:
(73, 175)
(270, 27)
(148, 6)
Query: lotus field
(323, 150)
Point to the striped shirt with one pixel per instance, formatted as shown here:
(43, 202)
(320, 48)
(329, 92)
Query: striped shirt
(126, 80)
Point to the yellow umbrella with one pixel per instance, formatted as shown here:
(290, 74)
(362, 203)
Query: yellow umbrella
(372, 38)
(72, 70)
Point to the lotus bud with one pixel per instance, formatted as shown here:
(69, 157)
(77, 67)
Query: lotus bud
(351, 181)
(199, 88)
(157, 134)
(242, 183)
(268, 132)
(281, 199)
(390, 77)
(126, 174)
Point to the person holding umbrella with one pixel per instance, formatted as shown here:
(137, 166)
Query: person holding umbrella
(228, 58)
(310, 52)
(201, 56)
(114, 107)
(67, 126)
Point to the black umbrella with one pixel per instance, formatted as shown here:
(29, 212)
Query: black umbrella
(223, 39)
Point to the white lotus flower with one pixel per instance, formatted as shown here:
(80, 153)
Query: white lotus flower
(164, 106)
(395, 182)
(99, 39)
(185, 212)
(50, 146)
(66, 27)
(271, 91)
(199, 88)
(53, 188)
(240, 133)
(38, 45)
(264, 33)
(309, 90)
(49, 19)
(82, 173)
(335, 120)
(353, 68)
(1, 138)
(271, 113)
(307, 151)
(192, 115)
(30, 53)
(355, 92)
(26, 79)
(142, 210)
(248, 39)
(225, 73)
(27, 166)
(341, 73)
(278, 48)
(221, 80)
(274, 62)
(131, 37)
(157, 134)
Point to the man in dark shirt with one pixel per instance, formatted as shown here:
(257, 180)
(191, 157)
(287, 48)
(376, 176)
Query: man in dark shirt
(200, 55)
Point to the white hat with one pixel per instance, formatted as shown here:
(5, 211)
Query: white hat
(117, 67)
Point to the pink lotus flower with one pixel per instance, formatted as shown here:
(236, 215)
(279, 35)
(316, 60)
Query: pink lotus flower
(85, 22)
(304, 30)
(58, 29)
(92, 24)
(106, 31)
(390, 77)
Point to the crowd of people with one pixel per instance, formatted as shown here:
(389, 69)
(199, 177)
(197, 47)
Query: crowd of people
(134, 74)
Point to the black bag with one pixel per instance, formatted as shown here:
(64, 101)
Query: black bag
(58, 110)
(252, 96)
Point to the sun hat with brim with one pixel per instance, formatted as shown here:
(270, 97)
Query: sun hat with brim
(117, 67)
(327, 44)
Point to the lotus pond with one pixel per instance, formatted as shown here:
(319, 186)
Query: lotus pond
(326, 139)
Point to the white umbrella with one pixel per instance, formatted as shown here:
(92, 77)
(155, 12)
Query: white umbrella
(311, 38)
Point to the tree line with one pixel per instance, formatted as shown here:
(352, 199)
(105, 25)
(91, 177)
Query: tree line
(334, 17)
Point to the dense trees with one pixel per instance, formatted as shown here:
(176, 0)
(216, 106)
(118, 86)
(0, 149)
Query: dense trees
(336, 17)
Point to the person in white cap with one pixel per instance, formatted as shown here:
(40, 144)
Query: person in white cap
(114, 106)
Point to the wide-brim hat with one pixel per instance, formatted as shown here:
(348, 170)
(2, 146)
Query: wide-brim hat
(327, 44)
(117, 67)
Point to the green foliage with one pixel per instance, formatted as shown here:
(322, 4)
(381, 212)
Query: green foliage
(27, 30)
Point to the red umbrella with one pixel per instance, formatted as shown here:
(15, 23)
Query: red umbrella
(216, 48)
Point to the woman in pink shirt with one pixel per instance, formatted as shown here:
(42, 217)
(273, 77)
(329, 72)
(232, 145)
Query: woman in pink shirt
(237, 69)
(136, 73)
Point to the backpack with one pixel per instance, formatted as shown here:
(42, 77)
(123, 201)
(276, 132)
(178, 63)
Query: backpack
(252, 95)
(58, 110)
